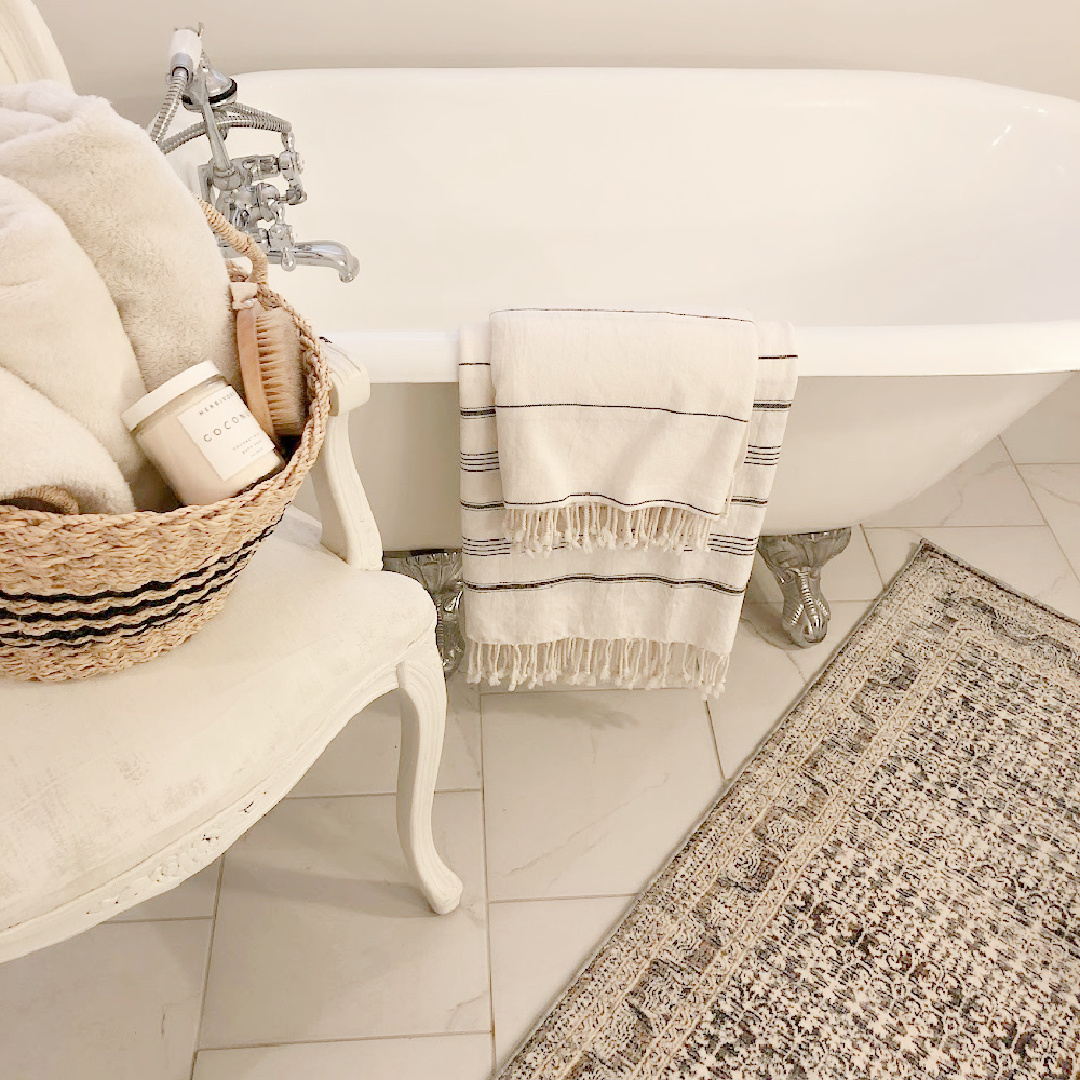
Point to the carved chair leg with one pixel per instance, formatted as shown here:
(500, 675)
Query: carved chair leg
(423, 719)
(796, 563)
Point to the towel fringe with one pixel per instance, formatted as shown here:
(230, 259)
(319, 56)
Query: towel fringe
(626, 662)
(588, 526)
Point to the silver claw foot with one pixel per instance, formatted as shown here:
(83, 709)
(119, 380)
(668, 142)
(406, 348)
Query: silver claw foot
(440, 573)
(796, 563)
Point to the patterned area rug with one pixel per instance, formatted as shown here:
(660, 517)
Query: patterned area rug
(890, 888)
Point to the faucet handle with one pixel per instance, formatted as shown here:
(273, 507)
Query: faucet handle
(258, 166)
(281, 243)
(290, 164)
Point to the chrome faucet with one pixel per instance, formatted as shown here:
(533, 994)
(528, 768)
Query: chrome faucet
(240, 188)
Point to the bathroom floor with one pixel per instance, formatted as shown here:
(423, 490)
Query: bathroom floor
(306, 952)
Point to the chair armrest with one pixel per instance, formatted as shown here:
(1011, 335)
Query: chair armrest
(348, 526)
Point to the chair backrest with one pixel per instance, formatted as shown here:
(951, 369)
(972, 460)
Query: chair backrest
(27, 49)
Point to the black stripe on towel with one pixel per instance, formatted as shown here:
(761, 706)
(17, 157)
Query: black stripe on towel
(656, 579)
(472, 412)
(718, 544)
(608, 498)
(743, 500)
(645, 408)
(486, 462)
(483, 553)
(497, 505)
(627, 311)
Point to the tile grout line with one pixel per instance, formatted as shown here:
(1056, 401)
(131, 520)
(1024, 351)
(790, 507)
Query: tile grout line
(163, 918)
(378, 794)
(873, 559)
(563, 899)
(918, 528)
(1023, 480)
(487, 890)
(921, 530)
(715, 743)
(1027, 488)
(582, 688)
(206, 973)
(346, 1039)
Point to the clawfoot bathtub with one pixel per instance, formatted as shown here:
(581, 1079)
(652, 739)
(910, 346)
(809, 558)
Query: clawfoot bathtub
(922, 233)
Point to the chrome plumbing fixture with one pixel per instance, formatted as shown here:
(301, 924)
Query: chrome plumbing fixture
(439, 572)
(796, 563)
(240, 187)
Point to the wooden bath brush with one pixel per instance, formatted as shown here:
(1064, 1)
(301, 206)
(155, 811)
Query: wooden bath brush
(269, 349)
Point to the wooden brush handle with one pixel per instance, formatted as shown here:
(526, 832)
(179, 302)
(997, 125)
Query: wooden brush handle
(247, 346)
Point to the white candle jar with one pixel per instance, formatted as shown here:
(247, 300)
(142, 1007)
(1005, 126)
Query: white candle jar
(202, 437)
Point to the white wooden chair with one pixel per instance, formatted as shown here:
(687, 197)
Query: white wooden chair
(117, 788)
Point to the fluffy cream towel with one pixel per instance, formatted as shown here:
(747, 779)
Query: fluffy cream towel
(62, 336)
(637, 617)
(619, 428)
(42, 446)
(134, 218)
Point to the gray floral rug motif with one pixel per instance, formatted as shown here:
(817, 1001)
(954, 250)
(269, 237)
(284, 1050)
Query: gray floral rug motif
(889, 889)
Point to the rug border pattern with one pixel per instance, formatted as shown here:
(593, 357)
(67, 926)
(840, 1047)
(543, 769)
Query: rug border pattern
(553, 1046)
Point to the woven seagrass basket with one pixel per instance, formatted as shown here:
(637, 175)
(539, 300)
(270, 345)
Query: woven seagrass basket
(85, 594)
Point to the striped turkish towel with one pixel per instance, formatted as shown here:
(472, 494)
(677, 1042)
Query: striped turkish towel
(619, 429)
(631, 617)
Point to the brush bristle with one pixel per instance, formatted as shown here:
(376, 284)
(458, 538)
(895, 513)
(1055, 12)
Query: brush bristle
(281, 370)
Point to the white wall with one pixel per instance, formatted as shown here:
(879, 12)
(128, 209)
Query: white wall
(117, 47)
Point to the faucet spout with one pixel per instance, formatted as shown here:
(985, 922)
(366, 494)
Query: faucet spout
(326, 253)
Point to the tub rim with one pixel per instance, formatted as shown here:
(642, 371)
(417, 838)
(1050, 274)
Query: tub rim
(1017, 348)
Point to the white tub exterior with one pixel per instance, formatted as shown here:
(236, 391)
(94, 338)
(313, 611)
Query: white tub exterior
(921, 232)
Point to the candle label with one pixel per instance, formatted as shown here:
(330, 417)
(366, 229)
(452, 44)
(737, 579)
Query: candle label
(223, 428)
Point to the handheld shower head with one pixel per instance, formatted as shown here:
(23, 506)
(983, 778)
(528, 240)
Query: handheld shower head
(185, 51)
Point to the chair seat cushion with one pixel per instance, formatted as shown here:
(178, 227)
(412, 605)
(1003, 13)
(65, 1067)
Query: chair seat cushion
(100, 775)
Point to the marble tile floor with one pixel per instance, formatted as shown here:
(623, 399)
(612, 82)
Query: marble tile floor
(307, 953)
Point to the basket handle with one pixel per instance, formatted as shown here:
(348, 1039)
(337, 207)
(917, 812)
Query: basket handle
(238, 241)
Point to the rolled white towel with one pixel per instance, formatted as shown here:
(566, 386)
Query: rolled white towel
(62, 336)
(135, 219)
(41, 446)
